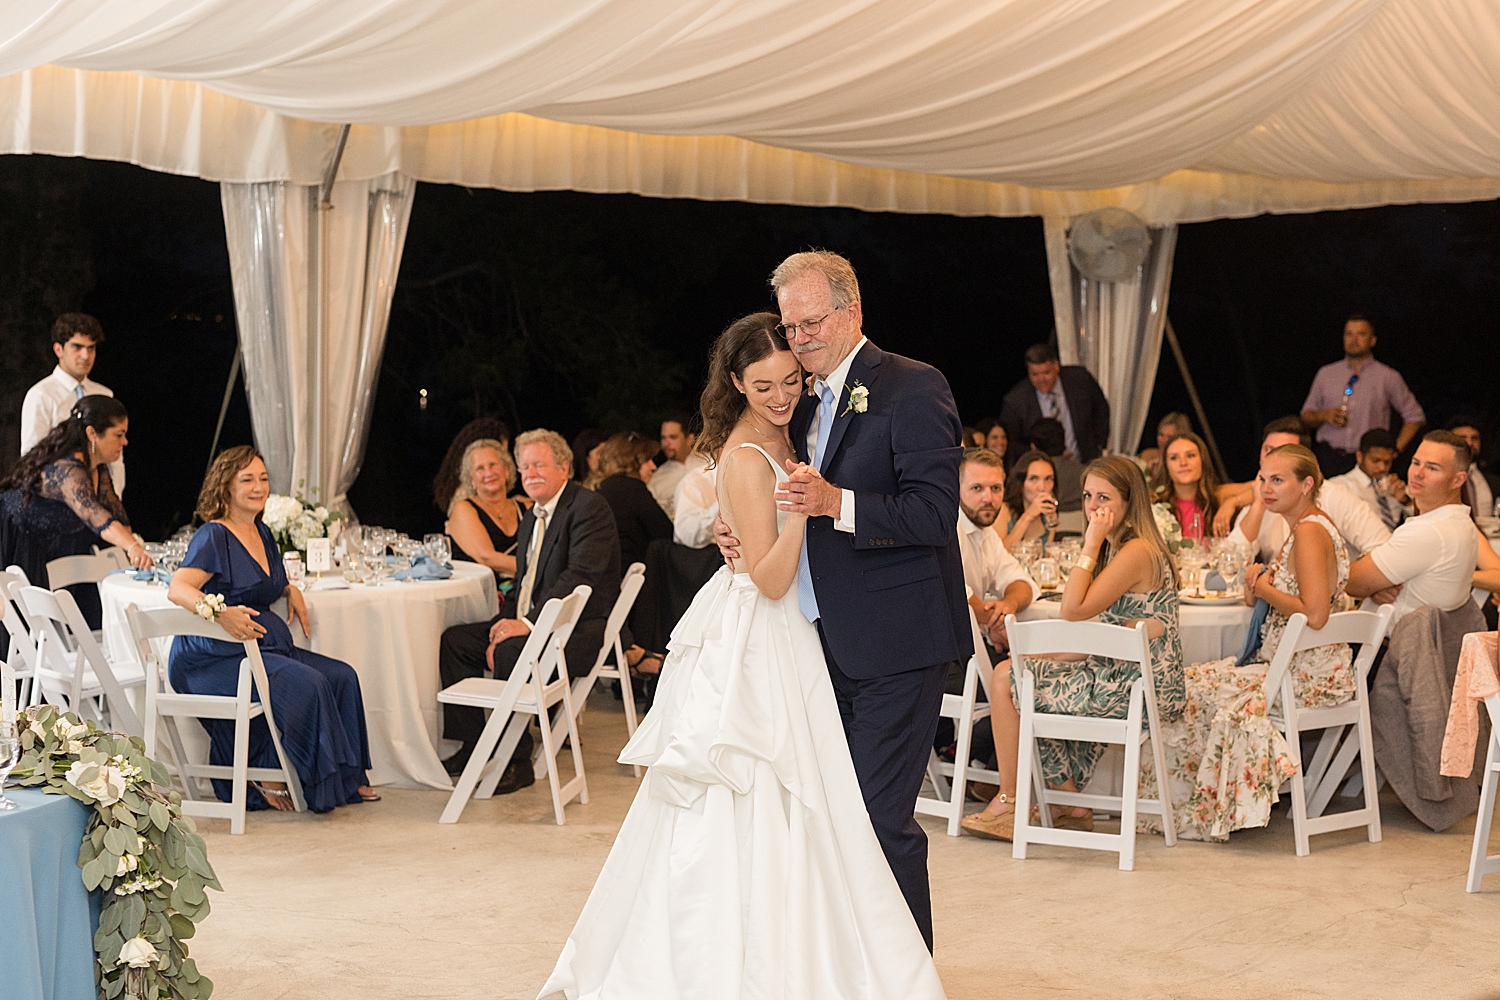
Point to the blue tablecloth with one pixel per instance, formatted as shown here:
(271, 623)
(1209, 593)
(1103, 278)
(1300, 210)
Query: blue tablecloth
(48, 923)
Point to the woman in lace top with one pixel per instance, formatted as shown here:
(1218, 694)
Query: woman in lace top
(59, 499)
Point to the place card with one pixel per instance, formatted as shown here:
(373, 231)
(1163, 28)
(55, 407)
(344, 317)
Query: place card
(319, 555)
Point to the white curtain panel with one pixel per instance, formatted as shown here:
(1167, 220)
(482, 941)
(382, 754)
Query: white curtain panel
(1114, 329)
(1231, 107)
(311, 392)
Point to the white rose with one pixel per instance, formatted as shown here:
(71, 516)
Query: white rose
(320, 514)
(106, 787)
(303, 528)
(128, 863)
(280, 512)
(138, 953)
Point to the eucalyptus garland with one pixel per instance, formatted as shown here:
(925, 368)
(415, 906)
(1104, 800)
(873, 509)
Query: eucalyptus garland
(139, 850)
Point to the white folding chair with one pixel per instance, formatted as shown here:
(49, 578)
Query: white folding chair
(1038, 639)
(950, 781)
(538, 681)
(1480, 863)
(635, 578)
(165, 706)
(20, 653)
(19, 573)
(1312, 791)
(116, 555)
(69, 571)
(72, 672)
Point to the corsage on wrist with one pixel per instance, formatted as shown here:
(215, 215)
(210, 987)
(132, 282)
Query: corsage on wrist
(211, 607)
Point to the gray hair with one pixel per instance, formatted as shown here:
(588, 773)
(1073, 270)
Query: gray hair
(838, 272)
(561, 453)
(466, 473)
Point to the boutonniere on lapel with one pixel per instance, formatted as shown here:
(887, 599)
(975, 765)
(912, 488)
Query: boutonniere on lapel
(859, 399)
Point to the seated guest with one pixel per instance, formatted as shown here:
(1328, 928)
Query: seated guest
(1225, 759)
(1372, 481)
(1172, 425)
(997, 583)
(484, 518)
(623, 463)
(586, 447)
(993, 437)
(1188, 486)
(59, 499)
(1149, 459)
(677, 440)
(1125, 576)
(1482, 488)
(316, 699)
(445, 483)
(973, 437)
(566, 538)
(1046, 435)
(1266, 531)
(1429, 560)
(1029, 500)
(695, 504)
(1069, 395)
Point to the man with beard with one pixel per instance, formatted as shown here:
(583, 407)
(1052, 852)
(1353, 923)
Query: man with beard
(997, 584)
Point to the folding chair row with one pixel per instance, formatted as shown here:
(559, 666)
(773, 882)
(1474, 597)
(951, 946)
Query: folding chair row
(950, 782)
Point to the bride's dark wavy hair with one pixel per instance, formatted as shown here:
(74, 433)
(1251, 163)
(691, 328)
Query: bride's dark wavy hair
(744, 342)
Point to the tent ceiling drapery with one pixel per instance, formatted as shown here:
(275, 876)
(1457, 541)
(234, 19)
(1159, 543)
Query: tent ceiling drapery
(1178, 109)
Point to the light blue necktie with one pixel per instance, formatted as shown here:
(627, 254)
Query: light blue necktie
(78, 390)
(807, 601)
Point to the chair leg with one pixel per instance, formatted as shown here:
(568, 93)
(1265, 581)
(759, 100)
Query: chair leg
(1480, 862)
(1025, 759)
(519, 723)
(627, 693)
(464, 787)
(960, 786)
(1130, 793)
(549, 753)
(1367, 767)
(1333, 775)
(189, 783)
(238, 792)
(577, 746)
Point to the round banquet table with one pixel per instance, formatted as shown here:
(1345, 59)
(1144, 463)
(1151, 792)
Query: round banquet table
(388, 633)
(1208, 631)
(47, 943)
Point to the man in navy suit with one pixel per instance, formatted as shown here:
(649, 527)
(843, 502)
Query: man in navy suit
(881, 572)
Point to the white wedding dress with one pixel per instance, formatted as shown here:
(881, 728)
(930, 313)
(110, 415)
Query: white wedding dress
(747, 866)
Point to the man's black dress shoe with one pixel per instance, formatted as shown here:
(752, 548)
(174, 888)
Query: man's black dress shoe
(518, 774)
(455, 765)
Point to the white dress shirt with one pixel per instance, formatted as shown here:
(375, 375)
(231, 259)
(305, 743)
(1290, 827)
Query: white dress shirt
(1388, 509)
(695, 504)
(836, 382)
(663, 485)
(1477, 492)
(1433, 557)
(48, 404)
(544, 512)
(1361, 527)
(988, 566)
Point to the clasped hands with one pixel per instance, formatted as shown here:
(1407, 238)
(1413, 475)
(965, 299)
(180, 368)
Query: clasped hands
(807, 492)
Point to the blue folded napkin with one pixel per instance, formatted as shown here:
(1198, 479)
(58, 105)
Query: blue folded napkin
(424, 568)
(1251, 645)
(155, 574)
(1214, 580)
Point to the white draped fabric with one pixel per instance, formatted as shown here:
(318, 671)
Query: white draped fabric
(1114, 329)
(310, 378)
(1175, 109)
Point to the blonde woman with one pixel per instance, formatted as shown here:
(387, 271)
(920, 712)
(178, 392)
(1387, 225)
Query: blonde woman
(1125, 576)
(484, 518)
(1225, 758)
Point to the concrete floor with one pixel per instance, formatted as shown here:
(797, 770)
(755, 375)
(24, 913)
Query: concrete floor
(379, 901)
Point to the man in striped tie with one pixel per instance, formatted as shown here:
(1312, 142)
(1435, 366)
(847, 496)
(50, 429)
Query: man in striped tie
(75, 341)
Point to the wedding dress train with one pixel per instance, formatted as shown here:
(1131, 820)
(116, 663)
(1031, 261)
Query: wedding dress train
(746, 866)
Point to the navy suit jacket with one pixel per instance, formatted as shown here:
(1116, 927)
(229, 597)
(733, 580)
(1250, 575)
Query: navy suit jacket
(891, 595)
(581, 545)
(1087, 407)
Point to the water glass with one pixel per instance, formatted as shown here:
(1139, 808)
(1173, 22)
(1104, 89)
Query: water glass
(438, 548)
(353, 566)
(374, 562)
(1046, 573)
(10, 752)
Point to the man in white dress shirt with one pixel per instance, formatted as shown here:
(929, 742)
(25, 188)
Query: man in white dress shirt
(1266, 532)
(1372, 465)
(75, 340)
(997, 584)
(695, 504)
(1431, 558)
(1480, 490)
(677, 445)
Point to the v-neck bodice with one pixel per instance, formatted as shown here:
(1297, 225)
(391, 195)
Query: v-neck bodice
(235, 574)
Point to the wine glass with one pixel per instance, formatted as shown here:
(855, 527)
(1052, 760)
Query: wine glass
(437, 547)
(10, 752)
(374, 562)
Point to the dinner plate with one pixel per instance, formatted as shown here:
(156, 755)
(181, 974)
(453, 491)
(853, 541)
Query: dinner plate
(1224, 599)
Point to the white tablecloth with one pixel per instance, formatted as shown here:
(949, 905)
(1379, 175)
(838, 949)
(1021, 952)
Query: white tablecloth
(1208, 631)
(388, 634)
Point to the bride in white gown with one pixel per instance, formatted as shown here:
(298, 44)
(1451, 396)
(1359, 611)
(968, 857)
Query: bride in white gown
(747, 866)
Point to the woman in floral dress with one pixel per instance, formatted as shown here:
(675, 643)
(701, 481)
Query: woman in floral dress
(1125, 576)
(1225, 759)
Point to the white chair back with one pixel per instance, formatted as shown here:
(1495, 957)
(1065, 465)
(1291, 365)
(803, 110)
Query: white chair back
(69, 571)
(20, 653)
(115, 555)
(1316, 781)
(19, 573)
(164, 706)
(71, 669)
(630, 588)
(1040, 639)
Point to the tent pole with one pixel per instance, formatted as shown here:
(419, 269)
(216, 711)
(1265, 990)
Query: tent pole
(316, 347)
(1187, 380)
(234, 373)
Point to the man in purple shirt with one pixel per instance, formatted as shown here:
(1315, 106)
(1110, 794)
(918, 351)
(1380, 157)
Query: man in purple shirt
(1351, 396)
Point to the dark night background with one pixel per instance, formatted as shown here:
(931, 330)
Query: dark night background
(568, 310)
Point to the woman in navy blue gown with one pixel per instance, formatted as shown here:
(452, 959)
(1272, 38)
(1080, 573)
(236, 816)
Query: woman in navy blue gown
(316, 699)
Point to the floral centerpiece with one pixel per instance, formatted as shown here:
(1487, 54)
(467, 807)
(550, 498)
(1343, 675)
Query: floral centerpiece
(139, 849)
(1167, 524)
(294, 519)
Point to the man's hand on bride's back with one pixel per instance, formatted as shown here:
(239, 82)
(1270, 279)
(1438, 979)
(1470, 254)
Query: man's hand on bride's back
(807, 492)
(729, 546)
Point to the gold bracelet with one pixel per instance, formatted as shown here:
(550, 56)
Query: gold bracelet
(1085, 563)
